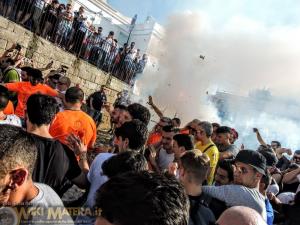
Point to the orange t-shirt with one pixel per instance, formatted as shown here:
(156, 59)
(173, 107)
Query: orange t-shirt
(154, 138)
(24, 90)
(184, 131)
(9, 109)
(75, 122)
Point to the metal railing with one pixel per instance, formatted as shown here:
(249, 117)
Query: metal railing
(58, 24)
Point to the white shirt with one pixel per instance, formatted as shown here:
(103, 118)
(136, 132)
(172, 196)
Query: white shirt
(131, 55)
(96, 178)
(164, 159)
(12, 120)
(273, 188)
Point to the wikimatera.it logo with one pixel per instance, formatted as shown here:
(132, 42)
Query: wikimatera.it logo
(42, 215)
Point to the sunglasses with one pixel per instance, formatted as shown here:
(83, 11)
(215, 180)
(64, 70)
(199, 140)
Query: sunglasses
(60, 83)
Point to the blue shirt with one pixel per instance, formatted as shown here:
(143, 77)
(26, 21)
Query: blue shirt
(270, 212)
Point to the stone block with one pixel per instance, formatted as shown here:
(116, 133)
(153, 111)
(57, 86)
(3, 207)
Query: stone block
(3, 43)
(20, 31)
(89, 77)
(3, 23)
(10, 27)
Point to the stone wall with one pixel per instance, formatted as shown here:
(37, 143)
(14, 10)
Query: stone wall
(42, 52)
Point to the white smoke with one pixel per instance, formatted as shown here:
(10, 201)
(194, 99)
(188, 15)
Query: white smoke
(239, 57)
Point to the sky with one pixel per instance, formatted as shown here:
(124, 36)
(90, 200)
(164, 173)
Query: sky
(248, 45)
(270, 12)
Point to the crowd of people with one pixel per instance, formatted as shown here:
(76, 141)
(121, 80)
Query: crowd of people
(172, 174)
(72, 31)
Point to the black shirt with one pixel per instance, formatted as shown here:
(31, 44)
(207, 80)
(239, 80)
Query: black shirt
(283, 163)
(99, 98)
(55, 164)
(291, 213)
(291, 187)
(200, 214)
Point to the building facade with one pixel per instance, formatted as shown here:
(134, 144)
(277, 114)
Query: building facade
(146, 35)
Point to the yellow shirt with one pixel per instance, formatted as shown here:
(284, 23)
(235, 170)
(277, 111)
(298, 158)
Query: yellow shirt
(213, 154)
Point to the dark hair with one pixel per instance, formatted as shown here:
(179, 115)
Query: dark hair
(111, 33)
(119, 106)
(266, 148)
(136, 132)
(166, 120)
(143, 199)
(294, 166)
(74, 95)
(124, 162)
(35, 75)
(17, 148)
(177, 120)
(10, 61)
(271, 158)
(216, 125)
(223, 130)
(41, 109)
(277, 143)
(55, 76)
(184, 140)
(170, 128)
(27, 69)
(140, 112)
(4, 97)
(227, 165)
(196, 165)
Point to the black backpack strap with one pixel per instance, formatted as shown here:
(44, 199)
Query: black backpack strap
(204, 200)
(208, 148)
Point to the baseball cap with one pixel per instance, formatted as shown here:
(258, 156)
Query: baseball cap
(252, 158)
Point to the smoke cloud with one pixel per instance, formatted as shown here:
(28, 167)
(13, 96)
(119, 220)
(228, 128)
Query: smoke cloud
(240, 57)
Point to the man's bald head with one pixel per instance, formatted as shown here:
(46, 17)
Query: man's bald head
(240, 215)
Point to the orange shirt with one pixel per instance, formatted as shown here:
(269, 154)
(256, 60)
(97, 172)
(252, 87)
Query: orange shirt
(9, 109)
(184, 131)
(154, 138)
(76, 122)
(24, 90)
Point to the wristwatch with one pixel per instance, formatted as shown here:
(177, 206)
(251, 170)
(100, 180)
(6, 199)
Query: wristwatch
(82, 156)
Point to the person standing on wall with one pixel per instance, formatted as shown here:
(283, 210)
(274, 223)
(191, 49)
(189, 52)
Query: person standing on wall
(95, 103)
